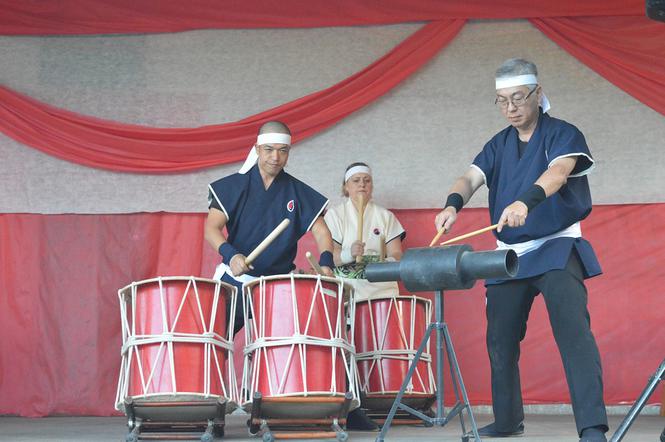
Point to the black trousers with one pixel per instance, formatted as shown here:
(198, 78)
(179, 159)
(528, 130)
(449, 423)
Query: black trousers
(508, 307)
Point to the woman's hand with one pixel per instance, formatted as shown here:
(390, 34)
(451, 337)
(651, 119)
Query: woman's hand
(357, 248)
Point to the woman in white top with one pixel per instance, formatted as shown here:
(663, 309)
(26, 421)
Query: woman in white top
(379, 225)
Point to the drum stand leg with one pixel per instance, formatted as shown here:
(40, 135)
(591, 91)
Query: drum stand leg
(658, 376)
(254, 426)
(442, 338)
(341, 418)
(221, 419)
(207, 435)
(133, 424)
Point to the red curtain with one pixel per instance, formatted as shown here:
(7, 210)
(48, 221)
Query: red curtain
(130, 148)
(133, 16)
(627, 51)
(60, 321)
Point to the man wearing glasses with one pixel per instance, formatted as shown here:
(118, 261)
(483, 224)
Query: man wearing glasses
(252, 202)
(536, 170)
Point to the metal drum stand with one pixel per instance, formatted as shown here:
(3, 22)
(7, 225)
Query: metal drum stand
(435, 269)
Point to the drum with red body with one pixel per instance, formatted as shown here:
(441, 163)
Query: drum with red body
(387, 332)
(176, 341)
(296, 340)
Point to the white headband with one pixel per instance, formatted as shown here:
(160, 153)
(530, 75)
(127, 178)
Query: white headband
(273, 138)
(517, 80)
(269, 138)
(356, 169)
(523, 80)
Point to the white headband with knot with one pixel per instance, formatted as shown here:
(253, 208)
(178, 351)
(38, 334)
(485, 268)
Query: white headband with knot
(357, 169)
(268, 138)
(523, 80)
(273, 138)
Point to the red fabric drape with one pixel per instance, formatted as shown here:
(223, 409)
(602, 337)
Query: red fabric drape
(627, 51)
(131, 16)
(60, 322)
(130, 148)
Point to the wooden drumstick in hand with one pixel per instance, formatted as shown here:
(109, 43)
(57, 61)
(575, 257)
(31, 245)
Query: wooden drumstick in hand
(382, 245)
(470, 234)
(315, 265)
(438, 235)
(266, 242)
(361, 213)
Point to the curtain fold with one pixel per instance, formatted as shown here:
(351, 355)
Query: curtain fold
(627, 51)
(34, 17)
(130, 148)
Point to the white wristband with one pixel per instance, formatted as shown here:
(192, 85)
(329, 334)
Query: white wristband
(345, 256)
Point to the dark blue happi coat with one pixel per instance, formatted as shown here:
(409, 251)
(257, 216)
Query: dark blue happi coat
(254, 211)
(507, 176)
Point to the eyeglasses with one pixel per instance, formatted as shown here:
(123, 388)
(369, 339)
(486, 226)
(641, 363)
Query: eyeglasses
(269, 149)
(517, 101)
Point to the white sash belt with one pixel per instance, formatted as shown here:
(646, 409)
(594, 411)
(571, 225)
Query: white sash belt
(521, 248)
(223, 268)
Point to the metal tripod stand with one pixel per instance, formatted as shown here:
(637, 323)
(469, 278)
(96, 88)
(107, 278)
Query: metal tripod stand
(658, 376)
(434, 269)
(441, 419)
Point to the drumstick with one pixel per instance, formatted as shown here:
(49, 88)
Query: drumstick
(438, 235)
(361, 212)
(470, 234)
(266, 242)
(315, 265)
(382, 240)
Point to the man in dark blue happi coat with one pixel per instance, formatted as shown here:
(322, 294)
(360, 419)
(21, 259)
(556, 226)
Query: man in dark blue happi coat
(536, 170)
(252, 202)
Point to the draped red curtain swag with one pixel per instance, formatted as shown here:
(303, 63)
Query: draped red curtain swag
(34, 17)
(628, 51)
(613, 37)
(130, 148)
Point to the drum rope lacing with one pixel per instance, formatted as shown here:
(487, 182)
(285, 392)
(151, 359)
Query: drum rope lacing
(301, 339)
(407, 353)
(209, 338)
(204, 338)
(257, 343)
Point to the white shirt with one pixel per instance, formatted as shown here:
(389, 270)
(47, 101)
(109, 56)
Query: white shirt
(342, 220)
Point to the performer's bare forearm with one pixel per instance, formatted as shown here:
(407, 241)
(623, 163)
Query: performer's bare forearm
(322, 236)
(557, 175)
(214, 224)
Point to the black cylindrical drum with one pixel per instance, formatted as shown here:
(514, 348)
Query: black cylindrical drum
(450, 267)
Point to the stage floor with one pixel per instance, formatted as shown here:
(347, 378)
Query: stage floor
(539, 428)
